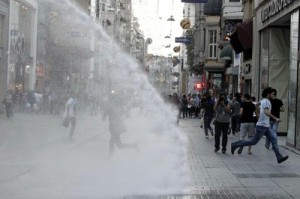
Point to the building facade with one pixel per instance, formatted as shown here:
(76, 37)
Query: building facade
(22, 45)
(276, 58)
(4, 39)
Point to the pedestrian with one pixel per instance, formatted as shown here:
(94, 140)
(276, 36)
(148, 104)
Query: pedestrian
(116, 128)
(190, 105)
(222, 109)
(184, 106)
(263, 127)
(277, 107)
(247, 122)
(8, 103)
(70, 113)
(175, 101)
(202, 101)
(235, 114)
(208, 107)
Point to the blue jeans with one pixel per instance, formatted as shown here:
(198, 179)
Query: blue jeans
(274, 127)
(260, 131)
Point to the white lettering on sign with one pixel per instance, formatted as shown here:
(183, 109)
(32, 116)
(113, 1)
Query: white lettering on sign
(274, 7)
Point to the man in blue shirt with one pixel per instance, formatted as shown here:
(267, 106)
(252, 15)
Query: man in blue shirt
(263, 127)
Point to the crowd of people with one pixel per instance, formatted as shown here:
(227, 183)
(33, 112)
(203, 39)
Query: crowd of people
(68, 104)
(240, 115)
(236, 114)
(52, 102)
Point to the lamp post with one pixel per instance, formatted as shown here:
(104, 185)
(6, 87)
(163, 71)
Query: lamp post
(171, 18)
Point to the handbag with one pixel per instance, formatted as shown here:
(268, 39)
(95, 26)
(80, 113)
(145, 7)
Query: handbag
(66, 122)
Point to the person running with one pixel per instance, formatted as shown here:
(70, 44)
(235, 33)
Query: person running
(222, 109)
(116, 128)
(277, 107)
(70, 114)
(263, 127)
(247, 122)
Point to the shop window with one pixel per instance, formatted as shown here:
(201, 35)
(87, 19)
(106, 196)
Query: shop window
(264, 60)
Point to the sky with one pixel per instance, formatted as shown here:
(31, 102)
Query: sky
(152, 16)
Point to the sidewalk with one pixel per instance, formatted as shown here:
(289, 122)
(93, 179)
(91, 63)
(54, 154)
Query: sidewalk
(217, 175)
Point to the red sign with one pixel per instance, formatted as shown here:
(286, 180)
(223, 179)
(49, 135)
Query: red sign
(199, 86)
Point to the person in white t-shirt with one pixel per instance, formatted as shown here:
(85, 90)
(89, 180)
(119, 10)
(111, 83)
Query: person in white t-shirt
(70, 114)
(263, 127)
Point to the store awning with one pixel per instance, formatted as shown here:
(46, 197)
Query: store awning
(241, 38)
(226, 53)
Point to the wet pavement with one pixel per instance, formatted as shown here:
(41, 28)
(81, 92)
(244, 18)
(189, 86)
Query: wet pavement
(214, 175)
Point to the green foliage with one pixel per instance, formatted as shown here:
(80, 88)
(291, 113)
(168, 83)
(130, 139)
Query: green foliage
(190, 52)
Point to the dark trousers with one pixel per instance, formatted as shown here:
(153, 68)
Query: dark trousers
(115, 139)
(184, 112)
(207, 122)
(221, 129)
(235, 124)
(8, 109)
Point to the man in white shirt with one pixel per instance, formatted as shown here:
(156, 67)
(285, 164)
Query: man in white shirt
(263, 127)
(70, 114)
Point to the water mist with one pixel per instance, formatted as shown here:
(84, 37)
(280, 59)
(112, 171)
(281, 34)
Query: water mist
(159, 167)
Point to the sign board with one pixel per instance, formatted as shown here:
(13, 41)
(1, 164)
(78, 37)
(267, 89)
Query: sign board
(185, 40)
(194, 1)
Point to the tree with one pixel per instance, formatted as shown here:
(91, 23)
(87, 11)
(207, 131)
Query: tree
(190, 52)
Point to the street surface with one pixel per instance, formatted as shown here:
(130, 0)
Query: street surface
(39, 160)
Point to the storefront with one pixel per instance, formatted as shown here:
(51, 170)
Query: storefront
(277, 41)
(22, 56)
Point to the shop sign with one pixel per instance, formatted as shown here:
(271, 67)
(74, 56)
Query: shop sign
(185, 40)
(274, 7)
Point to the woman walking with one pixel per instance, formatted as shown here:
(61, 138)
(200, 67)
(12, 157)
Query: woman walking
(222, 109)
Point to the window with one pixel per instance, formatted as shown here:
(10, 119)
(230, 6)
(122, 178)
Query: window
(212, 45)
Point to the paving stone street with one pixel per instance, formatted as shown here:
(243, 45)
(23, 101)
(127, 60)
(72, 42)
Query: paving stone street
(218, 175)
(29, 146)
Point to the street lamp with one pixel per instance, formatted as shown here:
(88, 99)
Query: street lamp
(171, 18)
